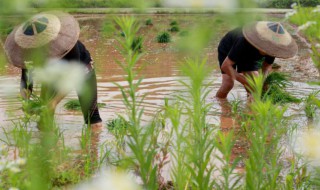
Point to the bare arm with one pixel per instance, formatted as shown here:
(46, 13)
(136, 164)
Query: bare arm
(266, 68)
(229, 70)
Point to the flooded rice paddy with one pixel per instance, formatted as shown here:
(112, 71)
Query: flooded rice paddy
(161, 74)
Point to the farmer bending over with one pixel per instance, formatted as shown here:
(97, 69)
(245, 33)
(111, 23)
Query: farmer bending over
(241, 50)
(53, 35)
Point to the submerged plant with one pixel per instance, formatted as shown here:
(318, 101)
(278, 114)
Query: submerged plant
(164, 37)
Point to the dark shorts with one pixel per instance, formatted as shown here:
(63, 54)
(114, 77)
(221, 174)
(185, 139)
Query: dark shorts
(239, 67)
(88, 100)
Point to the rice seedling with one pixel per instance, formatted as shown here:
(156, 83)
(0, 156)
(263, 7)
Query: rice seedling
(137, 44)
(149, 22)
(119, 128)
(235, 106)
(74, 105)
(173, 23)
(274, 86)
(311, 104)
(174, 28)
(164, 37)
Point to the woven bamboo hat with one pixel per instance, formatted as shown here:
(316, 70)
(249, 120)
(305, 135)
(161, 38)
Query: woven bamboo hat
(54, 31)
(271, 38)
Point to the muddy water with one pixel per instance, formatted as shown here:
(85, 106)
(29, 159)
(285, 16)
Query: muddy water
(161, 73)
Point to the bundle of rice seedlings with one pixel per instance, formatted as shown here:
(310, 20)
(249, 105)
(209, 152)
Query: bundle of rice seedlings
(274, 85)
(74, 105)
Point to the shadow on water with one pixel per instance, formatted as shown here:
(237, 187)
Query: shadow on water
(161, 75)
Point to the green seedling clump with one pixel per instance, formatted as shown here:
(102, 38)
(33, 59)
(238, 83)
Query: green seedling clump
(116, 124)
(311, 104)
(74, 104)
(173, 23)
(174, 29)
(164, 37)
(149, 22)
(274, 89)
(122, 34)
(137, 44)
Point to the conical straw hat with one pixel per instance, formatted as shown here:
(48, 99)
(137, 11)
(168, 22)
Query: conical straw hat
(271, 38)
(54, 31)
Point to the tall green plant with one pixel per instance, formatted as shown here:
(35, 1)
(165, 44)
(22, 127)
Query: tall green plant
(264, 129)
(194, 148)
(142, 140)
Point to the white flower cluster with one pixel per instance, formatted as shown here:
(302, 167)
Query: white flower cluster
(11, 165)
(13, 188)
(317, 9)
(62, 75)
(293, 5)
(289, 14)
(306, 25)
(311, 146)
(110, 180)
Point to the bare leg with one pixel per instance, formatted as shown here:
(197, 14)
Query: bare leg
(226, 86)
(55, 101)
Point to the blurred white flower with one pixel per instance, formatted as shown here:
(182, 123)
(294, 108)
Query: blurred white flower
(2, 147)
(310, 145)
(2, 165)
(110, 180)
(62, 75)
(21, 161)
(13, 188)
(306, 25)
(227, 4)
(289, 14)
(20, 5)
(317, 45)
(316, 10)
(14, 169)
(293, 5)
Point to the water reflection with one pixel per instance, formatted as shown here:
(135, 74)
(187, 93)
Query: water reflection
(231, 122)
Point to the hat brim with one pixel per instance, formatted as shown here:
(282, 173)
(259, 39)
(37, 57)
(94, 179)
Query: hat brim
(57, 48)
(268, 46)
